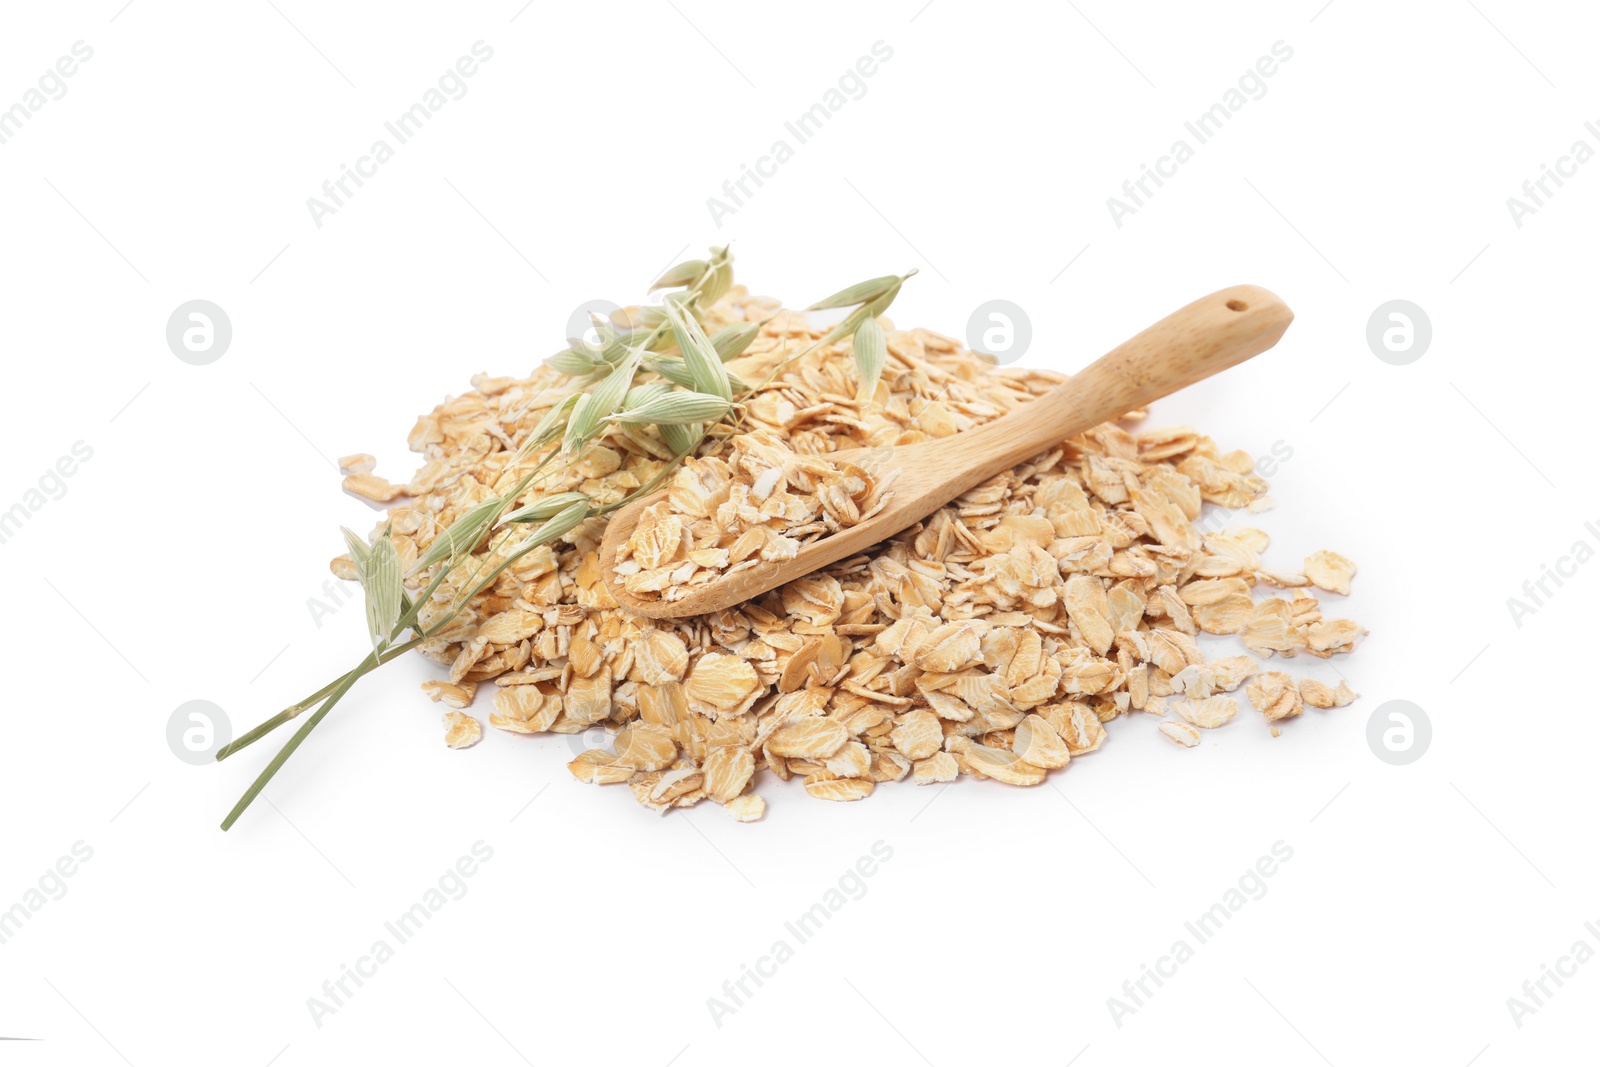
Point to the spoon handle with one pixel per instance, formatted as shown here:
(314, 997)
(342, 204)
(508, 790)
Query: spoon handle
(1194, 342)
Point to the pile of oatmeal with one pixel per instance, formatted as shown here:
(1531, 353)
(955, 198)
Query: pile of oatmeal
(995, 639)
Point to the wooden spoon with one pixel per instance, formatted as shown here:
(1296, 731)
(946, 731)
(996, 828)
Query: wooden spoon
(1192, 343)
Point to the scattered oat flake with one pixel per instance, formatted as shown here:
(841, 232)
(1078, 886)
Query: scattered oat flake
(747, 808)
(728, 769)
(1035, 741)
(369, 485)
(808, 738)
(939, 767)
(1003, 766)
(645, 746)
(1330, 571)
(841, 789)
(461, 731)
(1207, 714)
(1321, 695)
(1179, 732)
(455, 696)
(1274, 695)
(917, 735)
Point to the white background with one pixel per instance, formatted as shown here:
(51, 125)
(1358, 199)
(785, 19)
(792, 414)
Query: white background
(179, 563)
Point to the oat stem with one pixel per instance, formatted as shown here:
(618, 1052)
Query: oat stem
(294, 710)
(287, 750)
